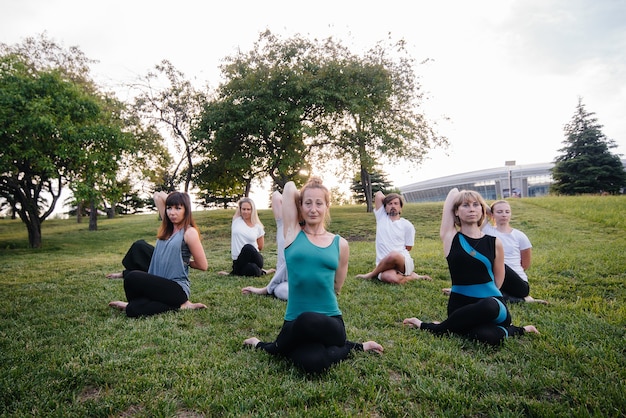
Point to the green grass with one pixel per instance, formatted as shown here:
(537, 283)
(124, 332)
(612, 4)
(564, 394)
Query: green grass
(63, 352)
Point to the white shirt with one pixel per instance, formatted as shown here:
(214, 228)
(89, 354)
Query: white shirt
(242, 234)
(514, 243)
(392, 235)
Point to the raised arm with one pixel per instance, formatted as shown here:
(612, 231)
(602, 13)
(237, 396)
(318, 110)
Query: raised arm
(277, 205)
(159, 201)
(448, 229)
(291, 225)
(378, 199)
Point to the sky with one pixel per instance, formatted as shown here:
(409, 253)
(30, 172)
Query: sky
(502, 77)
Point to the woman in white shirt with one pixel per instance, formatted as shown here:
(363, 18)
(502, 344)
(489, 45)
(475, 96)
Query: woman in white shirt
(517, 254)
(247, 240)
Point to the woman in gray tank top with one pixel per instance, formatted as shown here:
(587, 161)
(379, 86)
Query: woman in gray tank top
(165, 286)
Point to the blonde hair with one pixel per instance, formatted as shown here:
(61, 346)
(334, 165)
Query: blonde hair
(469, 196)
(254, 217)
(316, 183)
(498, 202)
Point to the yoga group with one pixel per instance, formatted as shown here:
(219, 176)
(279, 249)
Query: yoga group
(486, 257)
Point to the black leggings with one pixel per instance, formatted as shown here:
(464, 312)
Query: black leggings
(148, 294)
(138, 256)
(486, 320)
(514, 288)
(312, 341)
(249, 262)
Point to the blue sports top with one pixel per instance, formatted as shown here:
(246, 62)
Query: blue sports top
(471, 266)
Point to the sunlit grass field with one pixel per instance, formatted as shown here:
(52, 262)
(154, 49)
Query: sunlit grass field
(64, 352)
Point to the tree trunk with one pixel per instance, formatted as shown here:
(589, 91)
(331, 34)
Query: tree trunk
(367, 188)
(93, 216)
(79, 212)
(34, 232)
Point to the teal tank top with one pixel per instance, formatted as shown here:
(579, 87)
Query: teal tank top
(311, 271)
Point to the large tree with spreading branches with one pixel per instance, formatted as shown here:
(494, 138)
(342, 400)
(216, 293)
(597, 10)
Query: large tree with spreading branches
(290, 104)
(55, 127)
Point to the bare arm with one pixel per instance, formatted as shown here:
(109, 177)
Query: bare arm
(192, 238)
(378, 199)
(526, 258)
(277, 205)
(448, 229)
(260, 242)
(290, 212)
(498, 264)
(159, 201)
(342, 270)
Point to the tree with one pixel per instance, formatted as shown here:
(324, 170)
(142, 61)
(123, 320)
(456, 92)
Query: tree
(376, 117)
(587, 165)
(51, 116)
(378, 182)
(174, 107)
(102, 146)
(257, 123)
(290, 104)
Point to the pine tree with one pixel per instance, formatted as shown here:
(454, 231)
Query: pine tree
(379, 182)
(587, 165)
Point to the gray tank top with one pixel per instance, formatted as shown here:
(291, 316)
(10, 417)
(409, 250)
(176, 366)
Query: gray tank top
(171, 260)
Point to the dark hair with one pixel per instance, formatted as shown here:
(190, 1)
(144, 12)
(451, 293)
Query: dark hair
(176, 199)
(392, 196)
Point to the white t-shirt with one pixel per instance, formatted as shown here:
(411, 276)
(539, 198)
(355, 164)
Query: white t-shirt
(392, 235)
(242, 234)
(514, 243)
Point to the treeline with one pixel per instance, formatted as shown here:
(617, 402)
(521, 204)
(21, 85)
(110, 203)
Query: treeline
(284, 107)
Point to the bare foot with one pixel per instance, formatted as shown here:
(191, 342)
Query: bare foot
(114, 276)
(252, 341)
(531, 299)
(223, 273)
(416, 276)
(363, 276)
(118, 304)
(255, 290)
(268, 271)
(412, 322)
(190, 305)
(531, 328)
(446, 291)
(373, 346)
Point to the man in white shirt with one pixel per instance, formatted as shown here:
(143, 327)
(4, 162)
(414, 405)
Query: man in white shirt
(395, 236)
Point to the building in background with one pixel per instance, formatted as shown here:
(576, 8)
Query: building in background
(511, 180)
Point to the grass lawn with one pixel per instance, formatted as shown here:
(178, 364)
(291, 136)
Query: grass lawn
(64, 352)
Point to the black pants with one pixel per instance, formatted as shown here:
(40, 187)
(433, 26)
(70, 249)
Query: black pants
(514, 288)
(249, 262)
(477, 320)
(148, 294)
(312, 341)
(138, 256)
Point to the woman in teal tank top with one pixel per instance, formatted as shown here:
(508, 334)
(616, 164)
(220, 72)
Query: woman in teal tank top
(313, 335)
